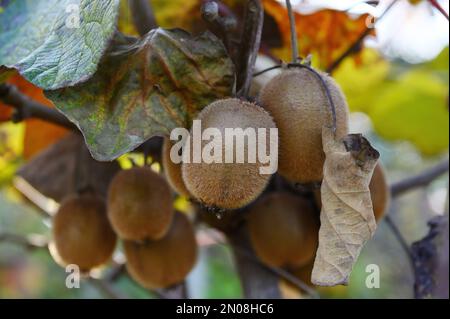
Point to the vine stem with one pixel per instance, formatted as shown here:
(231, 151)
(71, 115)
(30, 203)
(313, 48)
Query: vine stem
(436, 4)
(422, 179)
(27, 108)
(142, 15)
(250, 44)
(357, 44)
(294, 43)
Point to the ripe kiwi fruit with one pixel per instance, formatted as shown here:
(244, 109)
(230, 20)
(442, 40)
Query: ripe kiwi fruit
(379, 193)
(283, 230)
(228, 185)
(140, 204)
(81, 231)
(300, 107)
(164, 262)
(172, 171)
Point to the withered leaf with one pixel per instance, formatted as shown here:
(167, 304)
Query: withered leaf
(347, 218)
(65, 167)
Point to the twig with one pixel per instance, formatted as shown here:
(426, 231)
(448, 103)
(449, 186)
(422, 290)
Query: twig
(221, 26)
(27, 108)
(106, 288)
(36, 242)
(294, 44)
(250, 43)
(436, 4)
(357, 44)
(142, 15)
(31, 242)
(238, 247)
(258, 282)
(398, 235)
(420, 180)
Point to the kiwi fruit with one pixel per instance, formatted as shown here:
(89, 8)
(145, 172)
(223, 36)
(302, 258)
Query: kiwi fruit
(164, 262)
(379, 192)
(82, 234)
(299, 105)
(172, 171)
(283, 230)
(140, 204)
(228, 185)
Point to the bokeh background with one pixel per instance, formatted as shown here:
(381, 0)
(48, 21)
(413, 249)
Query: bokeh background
(402, 108)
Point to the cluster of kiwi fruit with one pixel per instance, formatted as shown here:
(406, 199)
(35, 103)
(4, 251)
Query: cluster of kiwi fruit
(158, 242)
(282, 222)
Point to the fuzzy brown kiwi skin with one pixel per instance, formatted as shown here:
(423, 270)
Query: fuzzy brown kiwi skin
(140, 204)
(379, 192)
(165, 262)
(283, 230)
(299, 105)
(172, 171)
(228, 185)
(82, 234)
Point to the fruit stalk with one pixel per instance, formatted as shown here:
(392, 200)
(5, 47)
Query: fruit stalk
(294, 43)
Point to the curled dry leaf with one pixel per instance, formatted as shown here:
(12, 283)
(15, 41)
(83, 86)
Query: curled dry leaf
(347, 218)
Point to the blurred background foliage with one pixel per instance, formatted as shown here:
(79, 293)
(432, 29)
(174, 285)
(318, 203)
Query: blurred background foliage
(402, 108)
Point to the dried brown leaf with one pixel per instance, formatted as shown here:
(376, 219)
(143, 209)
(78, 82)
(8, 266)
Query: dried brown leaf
(347, 218)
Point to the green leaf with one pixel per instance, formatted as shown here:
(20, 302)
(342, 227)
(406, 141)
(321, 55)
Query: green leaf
(147, 88)
(414, 109)
(43, 41)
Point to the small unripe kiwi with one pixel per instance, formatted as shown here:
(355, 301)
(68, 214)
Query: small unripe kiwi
(164, 262)
(283, 230)
(229, 185)
(172, 171)
(299, 105)
(379, 192)
(140, 204)
(81, 232)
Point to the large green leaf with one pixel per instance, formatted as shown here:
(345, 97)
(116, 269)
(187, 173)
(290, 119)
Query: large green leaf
(41, 38)
(147, 88)
(414, 109)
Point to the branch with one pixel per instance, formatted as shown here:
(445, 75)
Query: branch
(221, 21)
(250, 43)
(106, 288)
(142, 15)
(27, 108)
(420, 180)
(32, 242)
(356, 46)
(258, 282)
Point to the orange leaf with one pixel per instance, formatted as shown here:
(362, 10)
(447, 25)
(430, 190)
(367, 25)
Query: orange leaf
(326, 34)
(38, 134)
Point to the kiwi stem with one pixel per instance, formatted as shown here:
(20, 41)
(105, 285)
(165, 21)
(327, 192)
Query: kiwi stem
(267, 70)
(294, 43)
